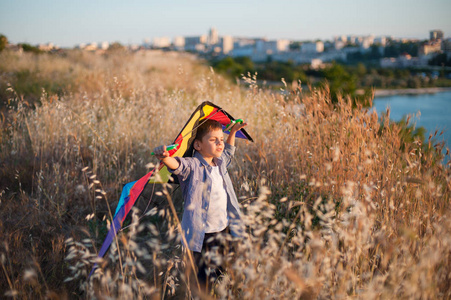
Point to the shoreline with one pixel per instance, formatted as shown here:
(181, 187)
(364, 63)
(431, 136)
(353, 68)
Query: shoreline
(394, 92)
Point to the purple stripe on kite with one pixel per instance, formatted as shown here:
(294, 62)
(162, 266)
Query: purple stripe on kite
(239, 134)
(115, 226)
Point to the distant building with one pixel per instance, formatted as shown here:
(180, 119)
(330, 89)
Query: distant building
(200, 48)
(317, 64)
(315, 47)
(15, 47)
(366, 42)
(227, 44)
(332, 55)
(262, 46)
(259, 50)
(382, 41)
(47, 47)
(195, 43)
(243, 42)
(388, 62)
(213, 37)
(216, 49)
(446, 46)
(91, 47)
(194, 40)
(247, 50)
(104, 45)
(287, 56)
(283, 45)
(339, 44)
(179, 42)
(435, 35)
(352, 39)
(433, 46)
(243, 47)
(404, 61)
(161, 42)
(341, 38)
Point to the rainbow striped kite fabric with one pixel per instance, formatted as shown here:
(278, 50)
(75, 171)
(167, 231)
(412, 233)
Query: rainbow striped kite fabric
(131, 191)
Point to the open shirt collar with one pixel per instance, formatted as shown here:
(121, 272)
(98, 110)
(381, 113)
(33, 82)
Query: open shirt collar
(217, 161)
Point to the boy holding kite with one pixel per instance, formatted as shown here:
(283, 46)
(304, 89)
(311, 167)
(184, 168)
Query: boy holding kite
(211, 208)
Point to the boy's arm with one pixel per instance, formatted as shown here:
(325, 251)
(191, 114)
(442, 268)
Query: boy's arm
(163, 155)
(233, 131)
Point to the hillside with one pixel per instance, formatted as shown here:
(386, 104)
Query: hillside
(339, 202)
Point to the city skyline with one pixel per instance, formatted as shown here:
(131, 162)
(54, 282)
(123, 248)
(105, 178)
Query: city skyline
(67, 23)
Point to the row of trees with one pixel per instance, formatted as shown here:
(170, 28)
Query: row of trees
(344, 79)
(25, 47)
(271, 70)
(440, 60)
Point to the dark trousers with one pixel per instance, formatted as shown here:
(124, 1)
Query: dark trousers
(209, 268)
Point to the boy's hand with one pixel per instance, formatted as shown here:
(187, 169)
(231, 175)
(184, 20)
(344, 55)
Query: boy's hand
(161, 152)
(231, 138)
(237, 126)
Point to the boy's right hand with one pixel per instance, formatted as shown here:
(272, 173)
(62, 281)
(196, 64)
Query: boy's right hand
(161, 152)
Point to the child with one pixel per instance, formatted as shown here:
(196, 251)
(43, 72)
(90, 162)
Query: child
(211, 207)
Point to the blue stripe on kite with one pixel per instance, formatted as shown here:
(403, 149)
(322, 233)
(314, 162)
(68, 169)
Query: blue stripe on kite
(124, 196)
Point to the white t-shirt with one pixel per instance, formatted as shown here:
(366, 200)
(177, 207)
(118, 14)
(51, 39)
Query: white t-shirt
(217, 211)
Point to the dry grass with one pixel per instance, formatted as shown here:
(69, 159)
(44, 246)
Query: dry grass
(334, 207)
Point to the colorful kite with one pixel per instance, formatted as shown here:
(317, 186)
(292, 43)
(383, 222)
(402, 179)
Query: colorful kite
(184, 141)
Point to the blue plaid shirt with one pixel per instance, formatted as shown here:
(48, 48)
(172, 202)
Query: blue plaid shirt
(194, 175)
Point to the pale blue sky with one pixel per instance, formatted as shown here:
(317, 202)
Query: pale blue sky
(67, 23)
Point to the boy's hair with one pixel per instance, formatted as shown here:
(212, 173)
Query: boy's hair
(206, 127)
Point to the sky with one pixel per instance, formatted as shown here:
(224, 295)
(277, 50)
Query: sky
(68, 23)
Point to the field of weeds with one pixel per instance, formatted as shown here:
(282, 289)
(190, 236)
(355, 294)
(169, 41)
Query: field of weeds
(337, 203)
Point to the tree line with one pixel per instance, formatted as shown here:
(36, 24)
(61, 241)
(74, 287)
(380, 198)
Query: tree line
(341, 78)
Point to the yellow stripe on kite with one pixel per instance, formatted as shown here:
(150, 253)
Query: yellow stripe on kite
(187, 133)
(163, 176)
(208, 109)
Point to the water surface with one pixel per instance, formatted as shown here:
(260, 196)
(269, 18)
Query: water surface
(434, 111)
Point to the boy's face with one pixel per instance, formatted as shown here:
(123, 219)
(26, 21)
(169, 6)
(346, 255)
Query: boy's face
(211, 145)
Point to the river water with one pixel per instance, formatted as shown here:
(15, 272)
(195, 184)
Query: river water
(434, 111)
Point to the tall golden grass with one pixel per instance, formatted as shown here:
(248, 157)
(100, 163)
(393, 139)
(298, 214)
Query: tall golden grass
(336, 203)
